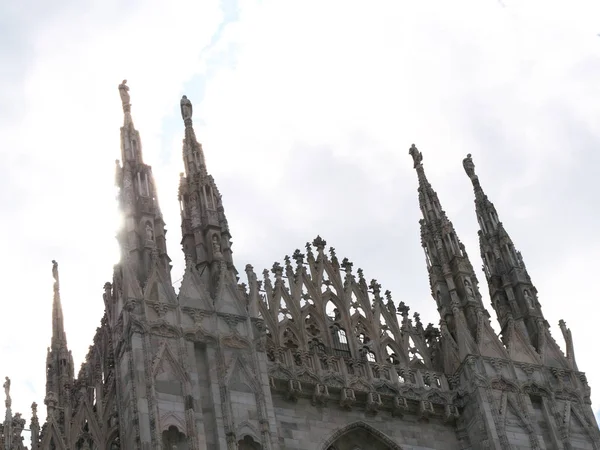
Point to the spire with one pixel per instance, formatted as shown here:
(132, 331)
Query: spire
(130, 138)
(206, 238)
(143, 233)
(453, 283)
(193, 155)
(514, 297)
(59, 338)
(59, 361)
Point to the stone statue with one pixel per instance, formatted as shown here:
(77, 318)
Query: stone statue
(528, 299)
(6, 386)
(55, 270)
(469, 166)
(149, 232)
(124, 92)
(468, 288)
(216, 245)
(186, 108)
(416, 155)
(439, 298)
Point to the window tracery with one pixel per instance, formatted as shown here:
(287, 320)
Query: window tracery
(360, 325)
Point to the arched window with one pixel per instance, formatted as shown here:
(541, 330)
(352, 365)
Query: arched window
(340, 341)
(371, 357)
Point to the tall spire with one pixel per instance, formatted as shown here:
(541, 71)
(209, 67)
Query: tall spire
(514, 297)
(59, 360)
(453, 283)
(143, 236)
(206, 238)
(193, 155)
(59, 338)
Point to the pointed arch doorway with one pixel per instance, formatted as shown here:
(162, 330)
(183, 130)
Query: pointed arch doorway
(359, 436)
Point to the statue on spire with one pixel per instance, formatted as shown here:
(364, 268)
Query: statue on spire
(6, 387)
(124, 92)
(416, 155)
(469, 166)
(186, 108)
(55, 271)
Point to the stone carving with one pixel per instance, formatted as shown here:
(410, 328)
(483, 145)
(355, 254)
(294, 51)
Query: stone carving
(528, 299)
(294, 390)
(416, 155)
(468, 288)
(348, 398)
(149, 232)
(6, 386)
(373, 402)
(186, 108)
(234, 341)
(469, 166)
(321, 395)
(124, 93)
(216, 246)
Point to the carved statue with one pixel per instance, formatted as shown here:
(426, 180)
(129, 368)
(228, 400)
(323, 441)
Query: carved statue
(55, 270)
(469, 166)
(528, 299)
(6, 386)
(149, 232)
(124, 92)
(216, 245)
(439, 298)
(416, 155)
(468, 288)
(186, 108)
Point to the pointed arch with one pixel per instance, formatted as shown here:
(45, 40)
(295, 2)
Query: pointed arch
(239, 365)
(172, 419)
(53, 435)
(386, 442)
(245, 428)
(83, 415)
(166, 354)
(158, 289)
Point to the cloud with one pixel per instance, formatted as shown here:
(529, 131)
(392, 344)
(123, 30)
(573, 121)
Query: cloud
(306, 113)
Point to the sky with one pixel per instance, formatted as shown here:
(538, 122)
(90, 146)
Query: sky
(306, 111)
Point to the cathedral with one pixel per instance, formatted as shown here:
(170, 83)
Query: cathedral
(309, 354)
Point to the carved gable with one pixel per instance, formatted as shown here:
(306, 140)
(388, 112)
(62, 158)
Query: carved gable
(193, 291)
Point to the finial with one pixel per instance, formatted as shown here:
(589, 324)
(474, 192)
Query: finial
(186, 110)
(416, 155)
(125, 99)
(469, 166)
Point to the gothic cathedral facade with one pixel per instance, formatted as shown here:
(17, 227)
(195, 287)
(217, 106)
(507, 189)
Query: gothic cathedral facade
(309, 355)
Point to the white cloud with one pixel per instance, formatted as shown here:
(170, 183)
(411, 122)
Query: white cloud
(307, 113)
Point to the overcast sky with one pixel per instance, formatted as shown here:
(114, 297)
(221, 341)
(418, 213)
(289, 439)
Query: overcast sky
(306, 111)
